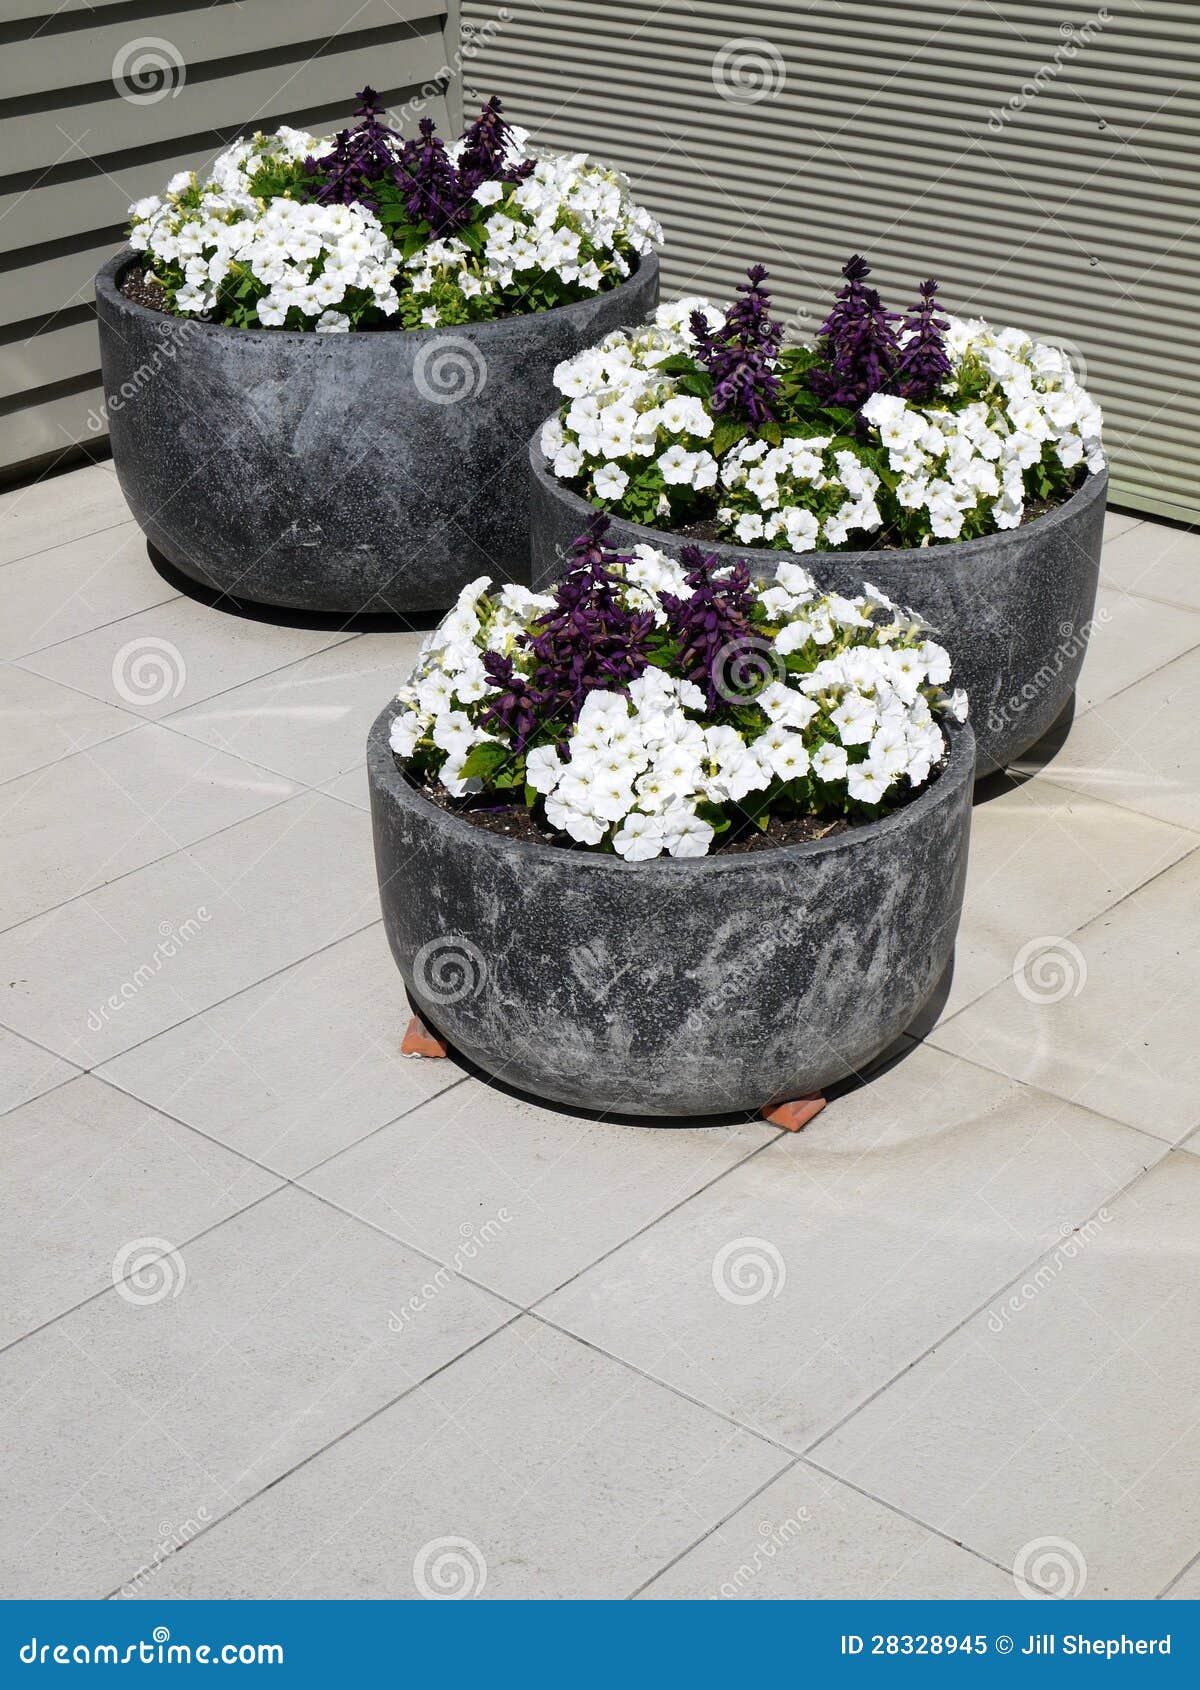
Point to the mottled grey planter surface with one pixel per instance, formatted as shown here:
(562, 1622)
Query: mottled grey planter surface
(671, 988)
(1014, 609)
(348, 472)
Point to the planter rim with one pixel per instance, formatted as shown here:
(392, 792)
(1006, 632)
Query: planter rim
(108, 290)
(960, 767)
(1094, 487)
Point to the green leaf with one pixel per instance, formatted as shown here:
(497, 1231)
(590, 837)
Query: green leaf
(483, 761)
(727, 431)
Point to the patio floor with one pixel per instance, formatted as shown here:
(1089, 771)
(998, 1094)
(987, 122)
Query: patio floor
(289, 1315)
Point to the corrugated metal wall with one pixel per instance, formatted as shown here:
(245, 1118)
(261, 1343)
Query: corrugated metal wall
(101, 100)
(1039, 159)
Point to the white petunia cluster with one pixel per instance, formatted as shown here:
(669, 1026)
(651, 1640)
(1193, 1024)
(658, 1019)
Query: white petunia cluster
(299, 258)
(1012, 422)
(845, 716)
(957, 462)
(622, 406)
(569, 225)
(802, 494)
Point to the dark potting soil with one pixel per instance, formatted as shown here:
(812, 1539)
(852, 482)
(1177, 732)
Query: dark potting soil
(704, 530)
(514, 821)
(145, 290)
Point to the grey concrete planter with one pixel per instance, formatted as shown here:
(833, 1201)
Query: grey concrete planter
(671, 988)
(372, 471)
(1014, 610)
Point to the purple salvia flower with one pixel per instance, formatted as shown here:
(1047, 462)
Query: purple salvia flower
(515, 708)
(858, 340)
(741, 355)
(923, 364)
(357, 158)
(482, 158)
(590, 641)
(714, 624)
(431, 191)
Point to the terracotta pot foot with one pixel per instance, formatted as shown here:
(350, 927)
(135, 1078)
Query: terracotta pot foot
(420, 1040)
(796, 1113)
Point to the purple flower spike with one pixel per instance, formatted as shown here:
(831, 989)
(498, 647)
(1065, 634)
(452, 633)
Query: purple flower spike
(859, 342)
(431, 190)
(713, 624)
(741, 355)
(357, 158)
(923, 365)
(484, 147)
(589, 642)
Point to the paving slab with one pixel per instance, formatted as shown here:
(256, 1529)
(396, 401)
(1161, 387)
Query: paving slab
(803, 1281)
(533, 1467)
(1067, 1412)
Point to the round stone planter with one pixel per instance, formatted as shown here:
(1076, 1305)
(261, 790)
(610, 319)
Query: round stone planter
(349, 472)
(686, 987)
(1014, 610)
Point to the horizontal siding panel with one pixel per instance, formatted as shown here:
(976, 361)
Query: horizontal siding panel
(102, 200)
(74, 154)
(51, 427)
(888, 129)
(70, 59)
(66, 279)
(101, 122)
(54, 354)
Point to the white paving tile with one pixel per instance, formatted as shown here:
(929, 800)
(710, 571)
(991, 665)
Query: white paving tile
(41, 721)
(87, 819)
(130, 1422)
(1044, 861)
(1068, 1411)
(94, 1178)
(125, 962)
(26, 1072)
(809, 1538)
(1107, 1015)
(311, 720)
(72, 589)
(351, 787)
(801, 1282)
(175, 654)
(59, 508)
(298, 1067)
(1136, 749)
(544, 1192)
(1131, 638)
(1155, 561)
(559, 1473)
